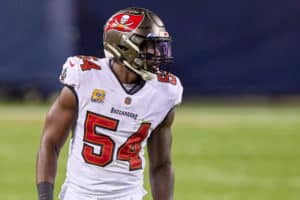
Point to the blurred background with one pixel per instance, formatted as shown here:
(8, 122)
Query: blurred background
(234, 47)
(237, 133)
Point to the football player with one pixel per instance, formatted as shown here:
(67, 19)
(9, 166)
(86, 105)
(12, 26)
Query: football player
(114, 106)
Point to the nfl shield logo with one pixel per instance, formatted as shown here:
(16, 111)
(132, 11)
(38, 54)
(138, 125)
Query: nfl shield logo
(127, 101)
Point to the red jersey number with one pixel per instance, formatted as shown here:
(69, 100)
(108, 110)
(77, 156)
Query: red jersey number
(129, 151)
(91, 137)
(88, 64)
(167, 78)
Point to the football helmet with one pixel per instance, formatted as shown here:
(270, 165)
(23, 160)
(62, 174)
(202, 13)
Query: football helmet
(138, 38)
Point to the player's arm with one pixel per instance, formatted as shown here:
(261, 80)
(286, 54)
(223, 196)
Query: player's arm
(160, 162)
(59, 120)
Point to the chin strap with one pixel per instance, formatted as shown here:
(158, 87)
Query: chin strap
(143, 73)
(112, 52)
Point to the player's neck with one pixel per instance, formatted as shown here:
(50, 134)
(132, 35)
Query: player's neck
(124, 74)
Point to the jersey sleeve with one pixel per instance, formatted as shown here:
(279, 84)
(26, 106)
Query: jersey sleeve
(70, 72)
(169, 94)
(178, 92)
(174, 92)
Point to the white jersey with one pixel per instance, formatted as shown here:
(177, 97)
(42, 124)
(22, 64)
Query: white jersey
(106, 155)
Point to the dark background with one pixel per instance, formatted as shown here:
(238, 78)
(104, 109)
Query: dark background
(234, 47)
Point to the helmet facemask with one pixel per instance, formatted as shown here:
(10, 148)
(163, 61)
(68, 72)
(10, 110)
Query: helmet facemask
(155, 52)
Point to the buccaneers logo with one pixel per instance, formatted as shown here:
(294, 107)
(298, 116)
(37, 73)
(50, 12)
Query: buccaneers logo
(124, 22)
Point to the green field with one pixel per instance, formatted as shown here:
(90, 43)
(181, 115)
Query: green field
(220, 152)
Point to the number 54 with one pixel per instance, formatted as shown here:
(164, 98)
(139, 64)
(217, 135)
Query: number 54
(129, 151)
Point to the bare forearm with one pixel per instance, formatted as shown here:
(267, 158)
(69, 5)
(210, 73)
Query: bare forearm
(162, 182)
(46, 165)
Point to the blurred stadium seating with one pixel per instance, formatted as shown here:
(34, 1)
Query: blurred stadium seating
(221, 47)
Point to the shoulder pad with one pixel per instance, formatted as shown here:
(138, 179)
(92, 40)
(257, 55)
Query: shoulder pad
(75, 66)
(171, 85)
(70, 72)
